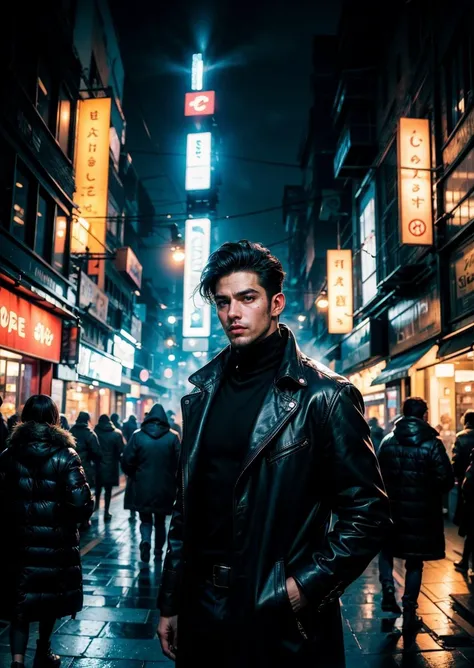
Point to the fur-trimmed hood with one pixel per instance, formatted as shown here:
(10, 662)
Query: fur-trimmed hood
(32, 439)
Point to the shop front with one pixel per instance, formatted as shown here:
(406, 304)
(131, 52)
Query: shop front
(99, 379)
(30, 343)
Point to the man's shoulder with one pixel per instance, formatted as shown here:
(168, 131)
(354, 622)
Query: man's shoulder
(319, 376)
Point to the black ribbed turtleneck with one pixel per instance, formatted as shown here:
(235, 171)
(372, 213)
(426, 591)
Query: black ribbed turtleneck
(225, 442)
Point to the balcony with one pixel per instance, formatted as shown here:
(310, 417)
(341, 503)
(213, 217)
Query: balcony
(357, 146)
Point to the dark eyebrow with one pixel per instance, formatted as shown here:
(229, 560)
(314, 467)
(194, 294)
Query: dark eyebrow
(242, 293)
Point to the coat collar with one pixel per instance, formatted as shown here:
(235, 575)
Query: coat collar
(291, 367)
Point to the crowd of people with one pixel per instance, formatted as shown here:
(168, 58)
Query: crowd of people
(47, 474)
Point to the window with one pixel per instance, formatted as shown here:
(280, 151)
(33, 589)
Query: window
(41, 228)
(64, 124)
(459, 195)
(368, 264)
(458, 81)
(59, 249)
(21, 196)
(44, 95)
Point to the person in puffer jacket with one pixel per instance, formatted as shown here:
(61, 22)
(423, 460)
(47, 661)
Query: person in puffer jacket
(43, 496)
(417, 472)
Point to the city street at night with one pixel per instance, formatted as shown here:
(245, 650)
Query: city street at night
(116, 628)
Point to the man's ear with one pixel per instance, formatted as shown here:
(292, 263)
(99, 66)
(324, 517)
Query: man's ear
(278, 304)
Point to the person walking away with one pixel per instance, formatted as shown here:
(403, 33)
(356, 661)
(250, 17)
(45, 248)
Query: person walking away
(43, 496)
(150, 459)
(88, 449)
(462, 449)
(273, 444)
(129, 426)
(376, 432)
(115, 419)
(417, 472)
(63, 422)
(108, 469)
(173, 424)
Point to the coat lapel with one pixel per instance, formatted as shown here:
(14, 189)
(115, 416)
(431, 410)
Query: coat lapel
(277, 409)
(195, 409)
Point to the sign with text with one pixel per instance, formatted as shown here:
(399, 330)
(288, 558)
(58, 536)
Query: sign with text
(28, 329)
(198, 161)
(200, 104)
(92, 173)
(196, 313)
(339, 276)
(92, 298)
(97, 366)
(127, 262)
(462, 280)
(414, 182)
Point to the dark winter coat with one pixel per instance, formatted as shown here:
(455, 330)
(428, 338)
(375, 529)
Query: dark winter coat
(309, 455)
(468, 498)
(43, 496)
(88, 449)
(111, 446)
(461, 458)
(150, 459)
(417, 472)
(129, 427)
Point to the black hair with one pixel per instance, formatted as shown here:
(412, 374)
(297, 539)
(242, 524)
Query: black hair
(468, 419)
(40, 408)
(414, 407)
(242, 256)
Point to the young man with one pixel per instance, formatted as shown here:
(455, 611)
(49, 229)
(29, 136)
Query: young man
(273, 443)
(417, 472)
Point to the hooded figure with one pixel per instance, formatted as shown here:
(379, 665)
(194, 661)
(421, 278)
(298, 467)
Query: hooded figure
(150, 460)
(129, 426)
(87, 445)
(115, 419)
(108, 470)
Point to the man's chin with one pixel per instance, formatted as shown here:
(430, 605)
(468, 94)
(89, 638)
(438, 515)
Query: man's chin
(240, 341)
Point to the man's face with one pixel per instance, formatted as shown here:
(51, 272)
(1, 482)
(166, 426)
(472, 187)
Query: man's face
(244, 310)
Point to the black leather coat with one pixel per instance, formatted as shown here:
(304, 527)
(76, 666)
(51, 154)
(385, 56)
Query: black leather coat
(417, 472)
(462, 449)
(150, 459)
(43, 496)
(88, 449)
(111, 445)
(310, 454)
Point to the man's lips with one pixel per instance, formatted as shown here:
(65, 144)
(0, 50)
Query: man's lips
(236, 328)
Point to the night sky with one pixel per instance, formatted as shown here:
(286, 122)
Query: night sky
(259, 55)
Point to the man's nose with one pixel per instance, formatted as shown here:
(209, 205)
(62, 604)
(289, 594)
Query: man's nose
(234, 310)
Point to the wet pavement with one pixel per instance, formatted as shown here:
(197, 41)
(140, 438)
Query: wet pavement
(116, 628)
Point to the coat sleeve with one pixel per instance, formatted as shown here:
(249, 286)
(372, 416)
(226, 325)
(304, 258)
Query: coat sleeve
(78, 504)
(171, 579)
(460, 460)
(129, 459)
(468, 482)
(93, 447)
(441, 468)
(358, 499)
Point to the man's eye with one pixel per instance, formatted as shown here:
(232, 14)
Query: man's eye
(248, 298)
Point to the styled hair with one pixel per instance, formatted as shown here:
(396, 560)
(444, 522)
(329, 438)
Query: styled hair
(414, 407)
(468, 419)
(241, 256)
(40, 408)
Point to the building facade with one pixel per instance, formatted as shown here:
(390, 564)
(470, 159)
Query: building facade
(413, 312)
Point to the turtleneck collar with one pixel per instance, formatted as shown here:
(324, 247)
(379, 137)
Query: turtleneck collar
(251, 360)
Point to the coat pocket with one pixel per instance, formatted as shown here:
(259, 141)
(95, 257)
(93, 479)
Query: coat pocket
(286, 450)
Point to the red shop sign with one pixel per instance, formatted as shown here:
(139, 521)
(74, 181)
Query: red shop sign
(28, 329)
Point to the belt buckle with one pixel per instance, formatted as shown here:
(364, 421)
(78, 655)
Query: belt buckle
(217, 571)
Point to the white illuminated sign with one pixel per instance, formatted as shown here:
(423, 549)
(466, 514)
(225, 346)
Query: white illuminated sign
(92, 364)
(124, 351)
(198, 161)
(196, 313)
(197, 72)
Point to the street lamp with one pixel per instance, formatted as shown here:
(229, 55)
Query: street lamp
(169, 343)
(172, 319)
(301, 318)
(322, 301)
(178, 255)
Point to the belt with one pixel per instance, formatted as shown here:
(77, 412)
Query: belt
(221, 576)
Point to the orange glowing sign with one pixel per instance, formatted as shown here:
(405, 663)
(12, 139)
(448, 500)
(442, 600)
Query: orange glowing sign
(339, 275)
(201, 103)
(92, 173)
(414, 182)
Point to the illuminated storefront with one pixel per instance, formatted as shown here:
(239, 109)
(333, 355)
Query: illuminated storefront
(95, 391)
(30, 342)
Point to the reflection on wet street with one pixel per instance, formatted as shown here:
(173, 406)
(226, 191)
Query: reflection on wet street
(116, 628)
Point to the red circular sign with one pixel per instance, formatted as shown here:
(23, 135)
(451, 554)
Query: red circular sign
(144, 375)
(417, 227)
